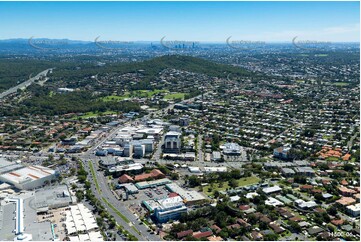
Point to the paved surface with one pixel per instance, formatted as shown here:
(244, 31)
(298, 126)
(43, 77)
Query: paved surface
(24, 84)
(106, 193)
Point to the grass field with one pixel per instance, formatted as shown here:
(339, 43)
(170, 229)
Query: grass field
(239, 96)
(138, 94)
(328, 137)
(115, 98)
(340, 84)
(322, 55)
(94, 115)
(171, 96)
(241, 182)
(332, 159)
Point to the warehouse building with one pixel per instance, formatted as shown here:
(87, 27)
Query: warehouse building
(50, 198)
(28, 177)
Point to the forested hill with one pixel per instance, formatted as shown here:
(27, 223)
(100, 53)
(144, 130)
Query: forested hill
(153, 66)
(14, 71)
(188, 63)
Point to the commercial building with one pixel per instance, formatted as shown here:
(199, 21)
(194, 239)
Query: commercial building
(215, 169)
(155, 183)
(172, 142)
(269, 190)
(231, 149)
(305, 171)
(188, 156)
(282, 152)
(166, 209)
(50, 198)
(127, 152)
(138, 149)
(194, 169)
(18, 220)
(287, 172)
(216, 156)
(129, 188)
(305, 205)
(353, 210)
(273, 202)
(189, 197)
(154, 174)
(28, 177)
(7, 166)
(132, 168)
(79, 218)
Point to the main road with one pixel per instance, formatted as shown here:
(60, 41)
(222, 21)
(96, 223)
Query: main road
(24, 84)
(104, 192)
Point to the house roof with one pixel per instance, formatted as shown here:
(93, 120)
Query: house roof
(184, 233)
(124, 178)
(199, 235)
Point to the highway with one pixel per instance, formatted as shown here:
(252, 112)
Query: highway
(24, 84)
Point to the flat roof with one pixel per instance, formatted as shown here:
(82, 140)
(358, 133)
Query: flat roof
(271, 189)
(28, 173)
(6, 166)
(152, 183)
(128, 167)
(53, 196)
(187, 195)
(215, 169)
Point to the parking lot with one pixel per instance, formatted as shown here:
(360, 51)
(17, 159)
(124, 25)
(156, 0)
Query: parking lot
(134, 202)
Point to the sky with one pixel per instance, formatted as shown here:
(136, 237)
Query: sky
(183, 21)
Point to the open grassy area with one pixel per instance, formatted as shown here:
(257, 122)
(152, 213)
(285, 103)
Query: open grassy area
(178, 95)
(328, 137)
(340, 84)
(94, 115)
(239, 96)
(332, 159)
(321, 55)
(94, 177)
(137, 93)
(115, 98)
(224, 186)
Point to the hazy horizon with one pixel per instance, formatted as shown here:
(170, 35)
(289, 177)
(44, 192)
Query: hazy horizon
(192, 21)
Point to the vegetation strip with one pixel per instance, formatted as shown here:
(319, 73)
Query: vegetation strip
(94, 177)
(116, 210)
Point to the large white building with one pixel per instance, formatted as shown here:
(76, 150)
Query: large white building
(28, 177)
(172, 142)
(189, 196)
(354, 210)
(166, 209)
